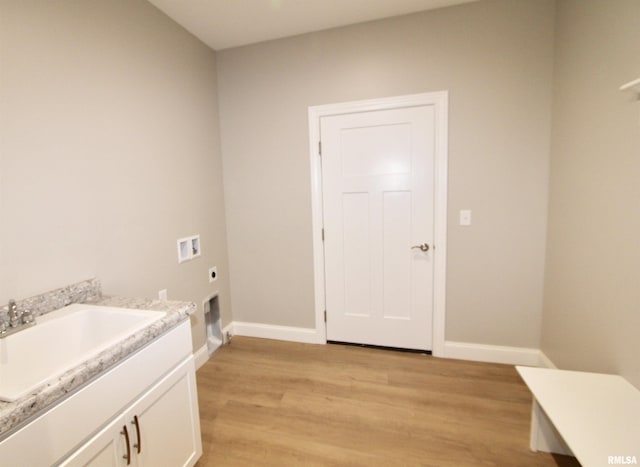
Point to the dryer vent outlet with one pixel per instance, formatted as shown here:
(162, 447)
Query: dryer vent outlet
(213, 331)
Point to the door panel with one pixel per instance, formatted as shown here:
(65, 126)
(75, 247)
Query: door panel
(376, 150)
(396, 267)
(357, 267)
(377, 171)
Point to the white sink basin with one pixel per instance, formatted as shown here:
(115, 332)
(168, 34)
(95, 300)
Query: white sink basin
(62, 340)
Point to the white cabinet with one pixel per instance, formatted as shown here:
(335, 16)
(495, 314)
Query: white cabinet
(160, 428)
(106, 449)
(154, 387)
(167, 423)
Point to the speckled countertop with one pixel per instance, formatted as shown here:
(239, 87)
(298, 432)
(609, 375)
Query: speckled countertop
(13, 414)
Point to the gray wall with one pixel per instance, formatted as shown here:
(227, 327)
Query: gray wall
(592, 298)
(495, 58)
(109, 152)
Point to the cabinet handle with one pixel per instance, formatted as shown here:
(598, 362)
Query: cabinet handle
(135, 422)
(125, 432)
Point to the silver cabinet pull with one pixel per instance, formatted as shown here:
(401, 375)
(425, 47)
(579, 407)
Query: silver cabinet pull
(423, 247)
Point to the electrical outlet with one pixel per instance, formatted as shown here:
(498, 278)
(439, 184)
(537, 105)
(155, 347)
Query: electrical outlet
(162, 295)
(213, 274)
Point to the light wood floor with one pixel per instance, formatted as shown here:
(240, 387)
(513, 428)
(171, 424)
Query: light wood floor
(265, 402)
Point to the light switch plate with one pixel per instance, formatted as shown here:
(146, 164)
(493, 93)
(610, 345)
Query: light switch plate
(465, 217)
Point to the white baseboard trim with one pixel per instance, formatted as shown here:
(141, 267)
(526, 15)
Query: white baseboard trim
(545, 362)
(201, 356)
(458, 350)
(282, 333)
(493, 353)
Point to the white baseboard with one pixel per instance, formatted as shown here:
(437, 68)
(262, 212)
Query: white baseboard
(459, 350)
(282, 333)
(201, 356)
(493, 353)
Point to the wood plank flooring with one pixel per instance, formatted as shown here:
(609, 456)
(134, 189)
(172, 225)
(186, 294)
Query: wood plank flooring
(265, 402)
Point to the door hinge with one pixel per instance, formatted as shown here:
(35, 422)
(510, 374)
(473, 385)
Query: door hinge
(325, 316)
(320, 148)
(323, 235)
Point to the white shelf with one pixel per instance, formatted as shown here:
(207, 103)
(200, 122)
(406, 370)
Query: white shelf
(596, 415)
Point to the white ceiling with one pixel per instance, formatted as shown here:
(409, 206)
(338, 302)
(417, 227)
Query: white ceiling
(222, 24)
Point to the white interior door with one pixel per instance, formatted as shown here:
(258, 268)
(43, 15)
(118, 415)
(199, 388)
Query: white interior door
(378, 208)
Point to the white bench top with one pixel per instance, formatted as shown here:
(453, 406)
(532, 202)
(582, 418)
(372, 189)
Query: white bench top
(597, 415)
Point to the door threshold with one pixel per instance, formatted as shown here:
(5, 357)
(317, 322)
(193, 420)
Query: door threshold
(381, 347)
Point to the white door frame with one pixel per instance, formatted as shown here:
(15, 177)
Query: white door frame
(440, 102)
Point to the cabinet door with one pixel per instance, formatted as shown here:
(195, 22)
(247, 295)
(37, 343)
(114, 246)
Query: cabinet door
(162, 428)
(108, 448)
(166, 422)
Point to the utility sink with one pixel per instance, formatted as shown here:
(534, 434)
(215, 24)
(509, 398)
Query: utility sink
(62, 340)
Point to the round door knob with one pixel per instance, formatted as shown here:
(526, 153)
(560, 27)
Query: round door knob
(423, 247)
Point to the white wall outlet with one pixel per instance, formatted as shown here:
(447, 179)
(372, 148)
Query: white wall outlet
(188, 248)
(162, 295)
(465, 217)
(213, 274)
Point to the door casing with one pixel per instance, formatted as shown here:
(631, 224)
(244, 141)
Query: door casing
(440, 102)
